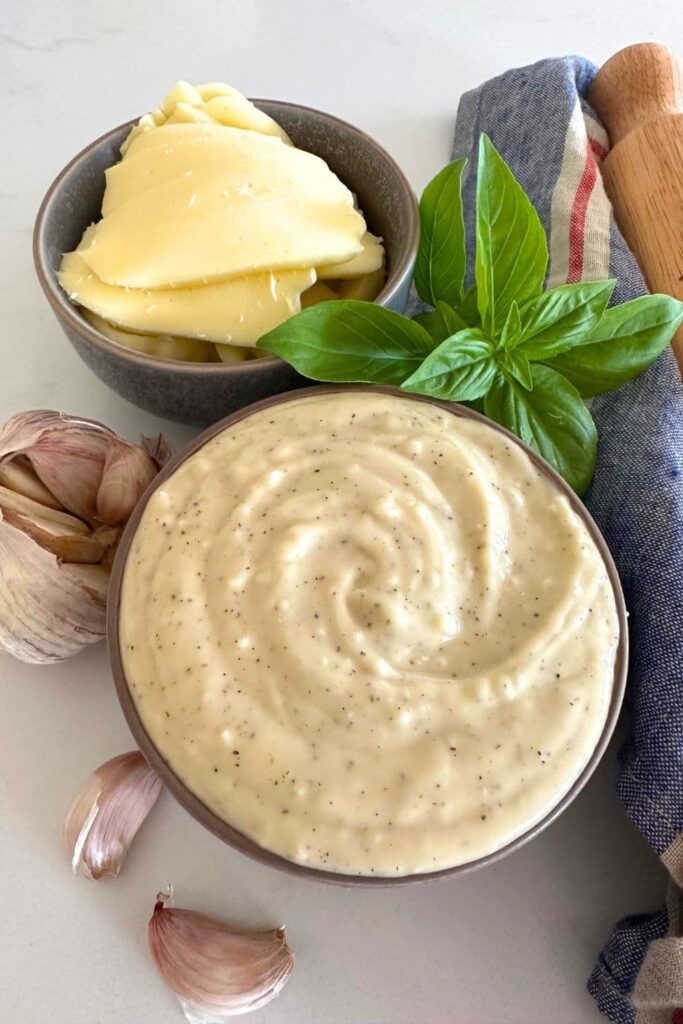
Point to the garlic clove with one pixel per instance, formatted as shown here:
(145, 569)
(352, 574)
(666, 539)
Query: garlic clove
(107, 813)
(216, 971)
(46, 615)
(20, 476)
(70, 464)
(67, 454)
(87, 468)
(53, 520)
(127, 472)
(64, 535)
(73, 549)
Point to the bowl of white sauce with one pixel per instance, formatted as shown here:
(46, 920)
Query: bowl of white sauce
(366, 636)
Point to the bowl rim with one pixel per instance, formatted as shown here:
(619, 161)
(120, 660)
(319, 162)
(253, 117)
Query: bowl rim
(65, 311)
(232, 836)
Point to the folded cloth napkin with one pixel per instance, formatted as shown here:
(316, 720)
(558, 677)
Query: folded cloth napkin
(538, 118)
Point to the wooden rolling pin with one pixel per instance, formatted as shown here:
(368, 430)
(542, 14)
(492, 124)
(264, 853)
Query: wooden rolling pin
(638, 95)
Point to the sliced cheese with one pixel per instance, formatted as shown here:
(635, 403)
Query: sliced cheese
(181, 92)
(320, 292)
(249, 204)
(214, 102)
(238, 311)
(185, 113)
(233, 354)
(192, 154)
(213, 225)
(365, 262)
(164, 346)
(211, 89)
(364, 288)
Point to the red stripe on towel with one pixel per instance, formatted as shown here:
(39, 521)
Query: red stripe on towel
(577, 220)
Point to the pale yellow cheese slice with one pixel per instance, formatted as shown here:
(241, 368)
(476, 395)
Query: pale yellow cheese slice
(320, 292)
(191, 154)
(238, 311)
(164, 346)
(181, 92)
(234, 354)
(365, 262)
(364, 288)
(265, 206)
(214, 102)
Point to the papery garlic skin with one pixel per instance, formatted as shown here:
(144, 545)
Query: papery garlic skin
(126, 475)
(107, 813)
(215, 970)
(73, 458)
(158, 448)
(46, 614)
(67, 487)
(67, 454)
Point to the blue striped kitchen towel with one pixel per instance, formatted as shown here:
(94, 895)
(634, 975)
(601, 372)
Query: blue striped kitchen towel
(539, 120)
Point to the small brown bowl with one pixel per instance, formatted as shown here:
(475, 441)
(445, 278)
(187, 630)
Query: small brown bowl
(225, 831)
(200, 393)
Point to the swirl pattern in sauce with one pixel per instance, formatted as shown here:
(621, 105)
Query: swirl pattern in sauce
(369, 634)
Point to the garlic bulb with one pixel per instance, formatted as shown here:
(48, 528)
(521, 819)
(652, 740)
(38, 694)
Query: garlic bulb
(215, 970)
(67, 486)
(107, 813)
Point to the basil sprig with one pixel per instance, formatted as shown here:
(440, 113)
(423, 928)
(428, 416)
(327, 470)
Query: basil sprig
(524, 356)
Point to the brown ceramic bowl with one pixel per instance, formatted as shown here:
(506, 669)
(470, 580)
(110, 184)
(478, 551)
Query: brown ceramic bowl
(201, 393)
(225, 831)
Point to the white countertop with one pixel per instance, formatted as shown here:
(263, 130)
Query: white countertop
(513, 943)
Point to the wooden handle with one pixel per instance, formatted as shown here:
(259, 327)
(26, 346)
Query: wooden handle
(638, 95)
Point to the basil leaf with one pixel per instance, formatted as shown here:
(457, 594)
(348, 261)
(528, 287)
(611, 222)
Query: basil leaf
(440, 264)
(460, 369)
(552, 419)
(512, 253)
(442, 322)
(562, 318)
(628, 338)
(517, 364)
(468, 308)
(512, 330)
(349, 340)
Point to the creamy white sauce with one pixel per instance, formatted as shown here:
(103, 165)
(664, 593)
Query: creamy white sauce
(368, 634)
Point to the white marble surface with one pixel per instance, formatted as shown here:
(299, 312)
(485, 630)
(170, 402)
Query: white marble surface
(513, 943)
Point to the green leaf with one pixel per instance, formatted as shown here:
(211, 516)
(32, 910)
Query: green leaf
(552, 419)
(441, 322)
(562, 318)
(512, 253)
(517, 364)
(440, 265)
(477, 404)
(349, 340)
(512, 330)
(628, 338)
(462, 368)
(467, 308)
